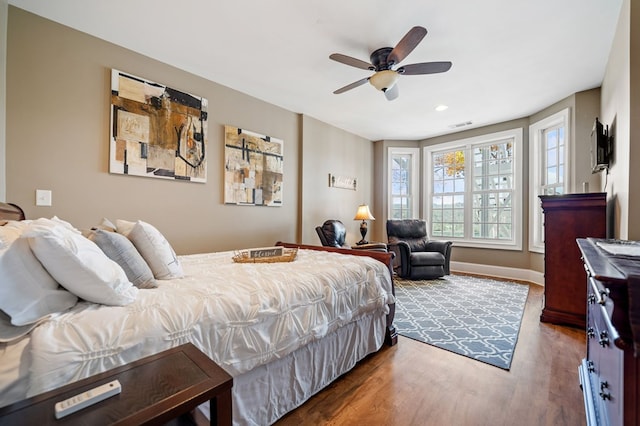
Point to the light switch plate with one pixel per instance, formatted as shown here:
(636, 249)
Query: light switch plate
(43, 197)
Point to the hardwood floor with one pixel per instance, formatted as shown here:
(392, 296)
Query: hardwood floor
(414, 383)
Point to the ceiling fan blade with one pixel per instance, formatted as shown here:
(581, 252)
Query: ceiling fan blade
(407, 44)
(348, 60)
(392, 93)
(351, 86)
(425, 68)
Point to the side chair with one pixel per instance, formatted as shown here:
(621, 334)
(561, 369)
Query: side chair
(333, 233)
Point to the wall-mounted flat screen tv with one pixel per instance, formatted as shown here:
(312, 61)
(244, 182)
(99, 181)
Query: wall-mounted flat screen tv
(600, 147)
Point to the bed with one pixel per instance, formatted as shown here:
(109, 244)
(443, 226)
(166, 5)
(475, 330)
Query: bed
(284, 331)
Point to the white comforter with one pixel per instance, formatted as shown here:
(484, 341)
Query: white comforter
(241, 315)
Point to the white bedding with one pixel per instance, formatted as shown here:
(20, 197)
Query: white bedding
(242, 315)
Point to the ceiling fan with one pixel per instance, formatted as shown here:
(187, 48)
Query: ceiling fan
(384, 59)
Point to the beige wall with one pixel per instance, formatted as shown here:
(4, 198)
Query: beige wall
(620, 107)
(326, 149)
(615, 112)
(4, 11)
(57, 139)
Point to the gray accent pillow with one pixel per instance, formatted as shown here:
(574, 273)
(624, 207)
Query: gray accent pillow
(154, 248)
(121, 250)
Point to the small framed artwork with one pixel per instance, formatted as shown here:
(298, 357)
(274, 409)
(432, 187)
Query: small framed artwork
(253, 168)
(343, 182)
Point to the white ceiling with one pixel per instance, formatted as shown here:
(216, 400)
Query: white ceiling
(511, 58)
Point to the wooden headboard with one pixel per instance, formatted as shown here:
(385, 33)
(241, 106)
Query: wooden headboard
(10, 211)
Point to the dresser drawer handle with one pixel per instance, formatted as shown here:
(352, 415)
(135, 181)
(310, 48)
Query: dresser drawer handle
(590, 367)
(603, 296)
(591, 299)
(591, 333)
(603, 394)
(604, 339)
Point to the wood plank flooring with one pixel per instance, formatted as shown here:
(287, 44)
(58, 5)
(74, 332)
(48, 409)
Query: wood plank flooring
(414, 383)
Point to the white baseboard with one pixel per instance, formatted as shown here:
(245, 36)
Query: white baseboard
(534, 277)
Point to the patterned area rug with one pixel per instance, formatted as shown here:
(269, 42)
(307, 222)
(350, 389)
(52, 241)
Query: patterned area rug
(475, 317)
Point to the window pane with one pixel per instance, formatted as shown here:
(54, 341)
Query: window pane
(551, 157)
(552, 175)
(560, 177)
(436, 203)
(552, 139)
(505, 216)
(400, 183)
(448, 184)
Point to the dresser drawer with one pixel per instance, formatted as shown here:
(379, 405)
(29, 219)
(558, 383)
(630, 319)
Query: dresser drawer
(604, 357)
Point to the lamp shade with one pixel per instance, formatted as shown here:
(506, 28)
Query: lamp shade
(384, 80)
(364, 213)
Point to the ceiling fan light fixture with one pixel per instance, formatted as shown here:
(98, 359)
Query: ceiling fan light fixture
(384, 80)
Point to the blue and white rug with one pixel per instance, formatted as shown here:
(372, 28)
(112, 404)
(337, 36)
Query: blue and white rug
(475, 317)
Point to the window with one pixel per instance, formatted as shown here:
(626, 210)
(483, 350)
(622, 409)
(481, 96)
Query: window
(403, 183)
(474, 192)
(553, 158)
(447, 201)
(493, 191)
(549, 148)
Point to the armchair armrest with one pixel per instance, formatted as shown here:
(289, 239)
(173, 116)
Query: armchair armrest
(443, 247)
(402, 253)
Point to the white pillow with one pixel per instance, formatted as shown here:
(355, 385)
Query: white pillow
(27, 292)
(120, 249)
(153, 247)
(78, 264)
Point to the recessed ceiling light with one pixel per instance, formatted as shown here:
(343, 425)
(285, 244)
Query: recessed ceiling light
(441, 107)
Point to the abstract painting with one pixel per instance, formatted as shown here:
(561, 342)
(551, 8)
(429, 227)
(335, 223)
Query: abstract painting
(156, 131)
(253, 168)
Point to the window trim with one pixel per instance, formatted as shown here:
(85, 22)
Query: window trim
(536, 161)
(415, 178)
(518, 153)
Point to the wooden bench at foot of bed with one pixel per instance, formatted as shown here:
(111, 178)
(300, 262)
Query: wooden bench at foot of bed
(391, 336)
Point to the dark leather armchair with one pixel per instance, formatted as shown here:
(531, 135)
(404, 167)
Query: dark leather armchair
(333, 233)
(417, 257)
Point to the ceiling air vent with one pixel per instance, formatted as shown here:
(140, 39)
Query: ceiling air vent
(463, 124)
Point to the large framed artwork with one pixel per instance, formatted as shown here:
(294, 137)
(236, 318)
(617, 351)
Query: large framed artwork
(253, 168)
(156, 131)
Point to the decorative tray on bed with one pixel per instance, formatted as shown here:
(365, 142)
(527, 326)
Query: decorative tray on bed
(266, 255)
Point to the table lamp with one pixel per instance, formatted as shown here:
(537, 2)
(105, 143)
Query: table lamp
(363, 214)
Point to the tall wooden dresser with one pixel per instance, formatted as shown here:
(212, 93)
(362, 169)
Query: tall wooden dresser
(610, 373)
(567, 217)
